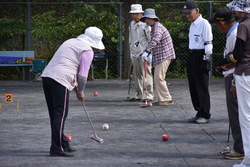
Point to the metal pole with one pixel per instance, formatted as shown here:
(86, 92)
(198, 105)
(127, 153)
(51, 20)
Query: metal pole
(211, 57)
(29, 26)
(120, 41)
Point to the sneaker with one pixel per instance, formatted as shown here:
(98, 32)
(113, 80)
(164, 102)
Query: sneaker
(201, 120)
(233, 155)
(193, 120)
(241, 165)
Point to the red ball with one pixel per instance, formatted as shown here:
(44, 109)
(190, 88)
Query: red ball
(165, 137)
(95, 93)
(68, 137)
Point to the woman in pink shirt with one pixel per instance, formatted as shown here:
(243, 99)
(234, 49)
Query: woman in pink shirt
(68, 70)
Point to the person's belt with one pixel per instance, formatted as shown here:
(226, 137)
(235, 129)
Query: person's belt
(196, 50)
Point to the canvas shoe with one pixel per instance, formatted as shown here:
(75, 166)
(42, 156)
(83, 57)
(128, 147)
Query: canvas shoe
(233, 155)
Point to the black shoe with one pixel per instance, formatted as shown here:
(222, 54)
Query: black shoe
(60, 154)
(70, 149)
(134, 99)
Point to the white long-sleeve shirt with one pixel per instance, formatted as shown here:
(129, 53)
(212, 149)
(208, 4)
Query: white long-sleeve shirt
(139, 36)
(199, 33)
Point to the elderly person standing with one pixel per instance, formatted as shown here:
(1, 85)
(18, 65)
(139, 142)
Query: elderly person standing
(162, 49)
(241, 56)
(68, 70)
(226, 23)
(198, 65)
(139, 36)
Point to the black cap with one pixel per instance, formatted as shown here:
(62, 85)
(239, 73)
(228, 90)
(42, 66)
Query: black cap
(189, 5)
(223, 14)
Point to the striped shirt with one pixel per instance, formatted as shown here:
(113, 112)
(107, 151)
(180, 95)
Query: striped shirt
(161, 44)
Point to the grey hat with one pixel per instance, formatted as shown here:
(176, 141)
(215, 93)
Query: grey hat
(149, 13)
(240, 6)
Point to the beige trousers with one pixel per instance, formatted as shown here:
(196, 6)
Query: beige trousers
(161, 89)
(138, 77)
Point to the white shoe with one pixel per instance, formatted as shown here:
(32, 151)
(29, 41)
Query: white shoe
(201, 120)
(241, 165)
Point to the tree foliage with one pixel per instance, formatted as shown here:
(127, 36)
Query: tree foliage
(54, 23)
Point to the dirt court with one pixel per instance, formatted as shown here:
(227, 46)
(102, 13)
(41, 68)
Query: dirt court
(134, 136)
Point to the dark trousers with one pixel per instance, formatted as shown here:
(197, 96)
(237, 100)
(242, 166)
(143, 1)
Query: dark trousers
(57, 98)
(198, 77)
(233, 115)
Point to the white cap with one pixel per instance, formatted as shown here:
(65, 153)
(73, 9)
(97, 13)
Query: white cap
(136, 8)
(93, 37)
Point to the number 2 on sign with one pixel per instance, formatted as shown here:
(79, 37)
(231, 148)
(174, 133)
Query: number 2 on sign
(9, 98)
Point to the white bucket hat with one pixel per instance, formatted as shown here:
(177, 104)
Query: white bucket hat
(136, 8)
(240, 6)
(149, 13)
(93, 37)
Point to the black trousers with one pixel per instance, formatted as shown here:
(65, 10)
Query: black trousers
(233, 115)
(198, 78)
(57, 98)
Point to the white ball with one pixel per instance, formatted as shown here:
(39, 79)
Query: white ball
(105, 126)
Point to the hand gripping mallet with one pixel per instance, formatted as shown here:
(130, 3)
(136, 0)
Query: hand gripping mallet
(145, 65)
(94, 136)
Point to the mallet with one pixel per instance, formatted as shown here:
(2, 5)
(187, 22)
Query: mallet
(94, 136)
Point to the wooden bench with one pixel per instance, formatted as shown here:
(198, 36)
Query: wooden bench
(17, 59)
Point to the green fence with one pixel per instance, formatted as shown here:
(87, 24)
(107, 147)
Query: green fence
(42, 27)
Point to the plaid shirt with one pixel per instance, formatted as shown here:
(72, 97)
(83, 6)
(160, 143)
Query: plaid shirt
(161, 45)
